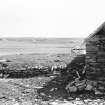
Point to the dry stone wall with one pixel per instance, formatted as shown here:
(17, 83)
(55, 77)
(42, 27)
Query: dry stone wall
(95, 58)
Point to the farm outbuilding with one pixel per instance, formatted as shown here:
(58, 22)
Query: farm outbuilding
(95, 54)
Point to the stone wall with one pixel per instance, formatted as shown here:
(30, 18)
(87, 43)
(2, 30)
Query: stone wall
(95, 58)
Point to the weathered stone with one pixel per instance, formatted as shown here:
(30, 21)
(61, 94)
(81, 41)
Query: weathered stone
(101, 88)
(81, 85)
(100, 60)
(97, 92)
(71, 89)
(89, 87)
(92, 60)
(95, 57)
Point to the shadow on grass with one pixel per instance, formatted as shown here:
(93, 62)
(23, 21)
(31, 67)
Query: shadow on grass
(55, 89)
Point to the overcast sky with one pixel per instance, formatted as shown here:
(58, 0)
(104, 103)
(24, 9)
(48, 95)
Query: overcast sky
(50, 18)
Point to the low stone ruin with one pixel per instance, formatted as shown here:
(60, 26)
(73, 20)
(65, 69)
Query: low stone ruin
(82, 84)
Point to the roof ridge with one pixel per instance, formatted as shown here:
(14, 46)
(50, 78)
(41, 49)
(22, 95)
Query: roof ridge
(95, 31)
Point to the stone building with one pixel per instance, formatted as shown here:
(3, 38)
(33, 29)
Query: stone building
(95, 55)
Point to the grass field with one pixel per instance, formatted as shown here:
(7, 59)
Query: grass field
(41, 89)
(31, 52)
(9, 46)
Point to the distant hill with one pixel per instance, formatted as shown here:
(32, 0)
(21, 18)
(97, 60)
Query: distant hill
(10, 46)
(44, 40)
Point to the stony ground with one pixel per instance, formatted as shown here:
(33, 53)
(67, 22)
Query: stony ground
(46, 90)
(41, 89)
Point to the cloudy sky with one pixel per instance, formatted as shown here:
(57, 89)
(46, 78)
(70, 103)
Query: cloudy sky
(50, 18)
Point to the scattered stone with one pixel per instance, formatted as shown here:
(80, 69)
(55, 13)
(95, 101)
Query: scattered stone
(27, 103)
(78, 103)
(87, 100)
(79, 83)
(81, 87)
(92, 103)
(53, 103)
(16, 104)
(72, 89)
(77, 99)
(94, 83)
(36, 100)
(101, 88)
(44, 103)
(97, 92)
(76, 85)
(52, 90)
(89, 87)
(42, 94)
(70, 98)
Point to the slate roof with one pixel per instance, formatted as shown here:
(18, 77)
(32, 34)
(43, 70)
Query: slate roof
(100, 30)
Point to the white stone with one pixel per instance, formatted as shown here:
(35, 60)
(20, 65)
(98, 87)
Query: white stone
(89, 87)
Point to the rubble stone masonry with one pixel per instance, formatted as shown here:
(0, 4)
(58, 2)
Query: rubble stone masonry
(95, 58)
